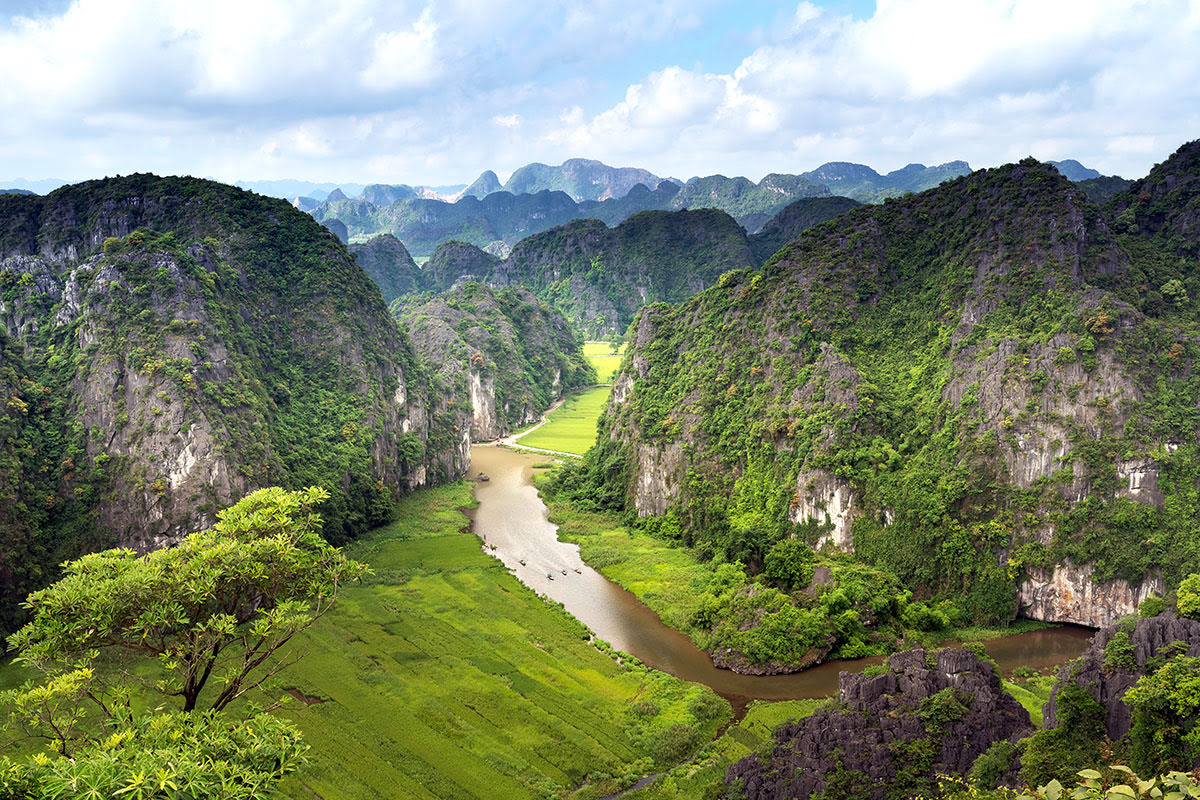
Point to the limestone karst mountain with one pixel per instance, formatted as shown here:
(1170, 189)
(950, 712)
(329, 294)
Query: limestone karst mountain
(170, 344)
(987, 389)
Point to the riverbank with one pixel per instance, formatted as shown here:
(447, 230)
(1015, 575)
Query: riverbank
(679, 588)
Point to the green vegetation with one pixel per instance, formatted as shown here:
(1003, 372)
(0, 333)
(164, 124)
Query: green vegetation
(845, 365)
(1166, 709)
(703, 776)
(473, 337)
(603, 358)
(441, 675)
(570, 428)
(409, 687)
(196, 318)
(1032, 693)
(219, 606)
(1073, 744)
(716, 603)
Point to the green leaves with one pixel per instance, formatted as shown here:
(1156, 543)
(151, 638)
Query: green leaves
(219, 604)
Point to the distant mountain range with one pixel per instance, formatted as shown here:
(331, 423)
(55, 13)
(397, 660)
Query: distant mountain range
(538, 197)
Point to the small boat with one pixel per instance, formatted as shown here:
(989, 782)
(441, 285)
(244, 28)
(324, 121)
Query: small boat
(522, 562)
(577, 571)
(564, 572)
(548, 575)
(483, 477)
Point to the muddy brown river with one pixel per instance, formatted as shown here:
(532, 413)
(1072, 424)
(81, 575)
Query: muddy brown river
(511, 519)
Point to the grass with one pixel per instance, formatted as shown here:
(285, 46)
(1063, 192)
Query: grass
(1032, 693)
(445, 677)
(442, 676)
(601, 356)
(570, 428)
(701, 776)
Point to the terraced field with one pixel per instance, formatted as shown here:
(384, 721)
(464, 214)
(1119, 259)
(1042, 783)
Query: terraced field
(445, 677)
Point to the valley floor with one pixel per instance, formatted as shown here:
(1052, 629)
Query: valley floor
(444, 677)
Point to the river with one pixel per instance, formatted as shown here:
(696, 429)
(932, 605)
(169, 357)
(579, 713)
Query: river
(511, 519)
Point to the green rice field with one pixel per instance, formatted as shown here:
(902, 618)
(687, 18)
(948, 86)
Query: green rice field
(444, 677)
(601, 356)
(570, 428)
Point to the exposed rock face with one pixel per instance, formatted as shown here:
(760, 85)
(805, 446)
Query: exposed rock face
(1107, 687)
(581, 178)
(879, 732)
(502, 356)
(190, 342)
(457, 262)
(1068, 594)
(826, 499)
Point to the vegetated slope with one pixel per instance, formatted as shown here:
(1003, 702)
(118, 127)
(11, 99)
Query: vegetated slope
(456, 261)
(793, 220)
(171, 344)
(1101, 190)
(501, 358)
(599, 277)
(749, 203)
(982, 388)
(864, 184)
(388, 263)
(581, 178)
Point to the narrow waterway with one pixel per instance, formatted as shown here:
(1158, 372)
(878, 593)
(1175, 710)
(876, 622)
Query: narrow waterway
(511, 519)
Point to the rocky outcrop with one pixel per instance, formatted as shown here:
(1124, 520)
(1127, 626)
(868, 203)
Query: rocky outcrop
(927, 714)
(827, 500)
(1067, 593)
(1108, 686)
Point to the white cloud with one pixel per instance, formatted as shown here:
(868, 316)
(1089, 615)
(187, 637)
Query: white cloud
(928, 80)
(404, 58)
(433, 92)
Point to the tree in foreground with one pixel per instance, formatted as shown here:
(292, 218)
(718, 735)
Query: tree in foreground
(206, 622)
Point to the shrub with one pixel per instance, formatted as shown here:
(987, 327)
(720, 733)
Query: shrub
(1152, 606)
(1187, 598)
(1118, 653)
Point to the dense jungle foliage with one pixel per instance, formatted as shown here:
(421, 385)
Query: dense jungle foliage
(981, 368)
(144, 316)
(506, 340)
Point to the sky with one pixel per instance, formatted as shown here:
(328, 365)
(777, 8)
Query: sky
(435, 91)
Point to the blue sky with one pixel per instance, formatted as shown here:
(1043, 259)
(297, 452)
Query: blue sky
(435, 91)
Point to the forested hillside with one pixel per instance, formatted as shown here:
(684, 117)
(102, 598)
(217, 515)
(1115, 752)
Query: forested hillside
(497, 359)
(988, 389)
(170, 344)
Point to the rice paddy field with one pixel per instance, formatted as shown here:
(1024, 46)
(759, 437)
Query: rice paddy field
(444, 677)
(602, 357)
(570, 428)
